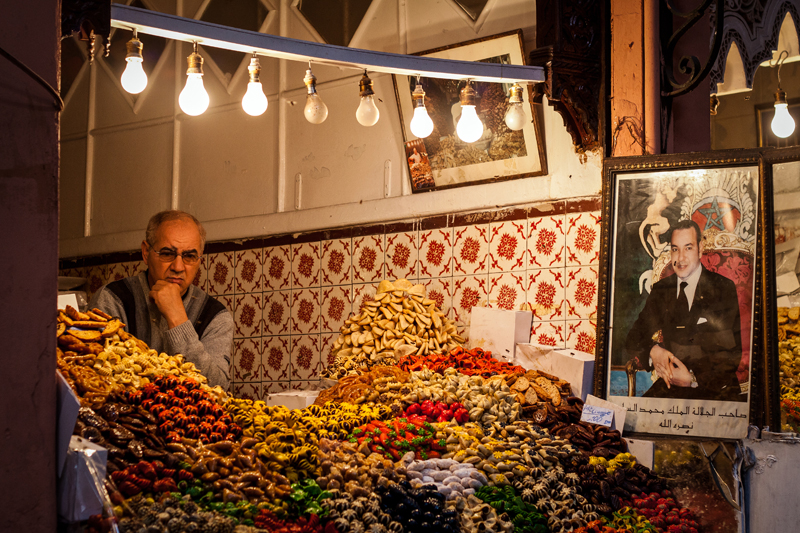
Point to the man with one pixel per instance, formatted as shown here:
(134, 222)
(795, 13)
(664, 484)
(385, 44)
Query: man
(697, 313)
(162, 306)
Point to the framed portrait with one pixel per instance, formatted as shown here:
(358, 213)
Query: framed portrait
(442, 160)
(679, 310)
(764, 115)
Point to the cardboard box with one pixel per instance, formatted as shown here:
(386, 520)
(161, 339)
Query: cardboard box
(295, 399)
(499, 331)
(571, 365)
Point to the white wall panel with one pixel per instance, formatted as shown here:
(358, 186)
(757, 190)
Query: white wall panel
(72, 188)
(227, 164)
(76, 108)
(237, 173)
(132, 178)
(342, 161)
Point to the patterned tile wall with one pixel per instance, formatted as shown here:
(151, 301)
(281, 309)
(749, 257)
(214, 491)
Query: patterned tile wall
(289, 296)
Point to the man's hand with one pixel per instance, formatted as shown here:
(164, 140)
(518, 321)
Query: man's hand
(167, 297)
(662, 362)
(680, 374)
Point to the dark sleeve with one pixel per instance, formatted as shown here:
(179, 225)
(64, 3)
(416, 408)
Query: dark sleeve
(723, 341)
(649, 322)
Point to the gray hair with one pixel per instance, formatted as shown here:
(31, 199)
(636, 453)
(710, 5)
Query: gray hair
(168, 216)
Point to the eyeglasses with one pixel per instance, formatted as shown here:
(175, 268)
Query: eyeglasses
(165, 255)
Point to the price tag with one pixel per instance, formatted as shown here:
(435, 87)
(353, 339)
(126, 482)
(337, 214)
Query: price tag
(594, 414)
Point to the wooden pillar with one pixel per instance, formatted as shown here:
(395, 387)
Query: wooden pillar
(634, 83)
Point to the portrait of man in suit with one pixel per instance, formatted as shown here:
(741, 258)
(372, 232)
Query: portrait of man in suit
(689, 331)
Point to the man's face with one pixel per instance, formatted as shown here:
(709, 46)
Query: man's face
(686, 252)
(181, 237)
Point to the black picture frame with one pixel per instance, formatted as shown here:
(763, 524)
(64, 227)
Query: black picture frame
(692, 176)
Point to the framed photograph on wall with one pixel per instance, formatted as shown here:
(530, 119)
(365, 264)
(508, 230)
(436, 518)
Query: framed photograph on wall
(678, 293)
(442, 160)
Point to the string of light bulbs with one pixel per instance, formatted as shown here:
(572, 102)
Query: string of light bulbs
(194, 99)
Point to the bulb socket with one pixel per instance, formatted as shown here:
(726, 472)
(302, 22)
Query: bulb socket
(515, 94)
(418, 96)
(195, 62)
(311, 82)
(254, 69)
(134, 48)
(365, 86)
(780, 97)
(468, 95)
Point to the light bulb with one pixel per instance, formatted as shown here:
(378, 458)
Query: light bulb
(515, 115)
(254, 102)
(469, 127)
(367, 113)
(194, 98)
(315, 110)
(782, 123)
(134, 80)
(421, 123)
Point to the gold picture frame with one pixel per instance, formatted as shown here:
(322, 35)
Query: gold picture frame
(442, 160)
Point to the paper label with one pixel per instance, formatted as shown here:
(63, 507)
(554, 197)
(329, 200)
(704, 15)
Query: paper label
(619, 411)
(594, 414)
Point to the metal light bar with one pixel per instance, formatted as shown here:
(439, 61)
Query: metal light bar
(249, 42)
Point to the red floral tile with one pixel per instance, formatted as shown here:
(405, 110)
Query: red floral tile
(583, 238)
(276, 358)
(79, 272)
(96, 277)
(549, 333)
(581, 292)
(507, 245)
(305, 311)
(274, 387)
(436, 253)
(546, 292)
(116, 272)
(546, 242)
(200, 278)
(582, 335)
(277, 268)
(402, 255)
(471, 250)
(220, 273)
(306, 363)
(228, 301)
(326, 341)
(246, 360)
(336, 264)
(248, 271)
(464, 332)
(362, 294)
(305, 265)
(132, 268)
(247, 316)
(304, 384)
(440, 290)
(368, 258)
(468, 291)
(507, 290)
(247, 391)
(336, 307)
(277, 312)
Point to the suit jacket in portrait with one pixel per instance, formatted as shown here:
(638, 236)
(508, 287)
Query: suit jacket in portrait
(707, 338)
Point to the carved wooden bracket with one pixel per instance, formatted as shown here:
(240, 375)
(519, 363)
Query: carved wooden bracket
(569, 47)
(88, 18)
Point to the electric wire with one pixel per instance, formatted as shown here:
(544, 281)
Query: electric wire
(59, 102)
